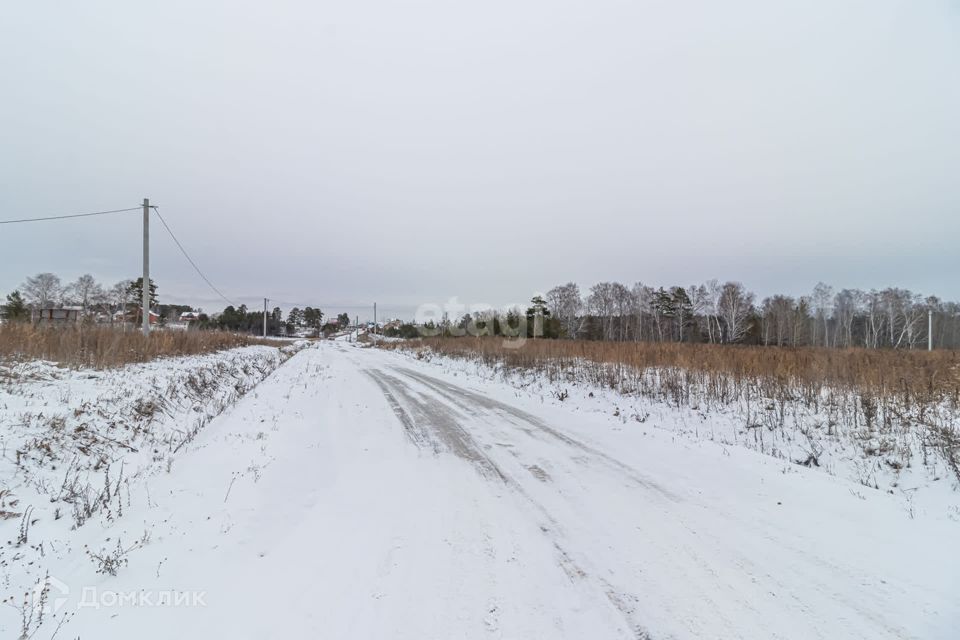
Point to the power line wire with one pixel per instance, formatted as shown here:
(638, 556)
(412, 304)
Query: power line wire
(176, 241)
(187, 256)
(72, 215)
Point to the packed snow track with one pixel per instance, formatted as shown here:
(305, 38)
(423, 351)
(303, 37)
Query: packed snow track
(358, 493)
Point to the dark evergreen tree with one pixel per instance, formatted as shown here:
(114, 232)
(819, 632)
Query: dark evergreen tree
(313, 318)
(295, 317)
(540, 324)
(682, 310)
(16, 309)
(136, 291)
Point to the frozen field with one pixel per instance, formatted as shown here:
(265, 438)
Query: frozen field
(356, 493)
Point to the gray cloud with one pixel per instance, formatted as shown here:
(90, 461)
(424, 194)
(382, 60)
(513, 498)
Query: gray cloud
(337, 153)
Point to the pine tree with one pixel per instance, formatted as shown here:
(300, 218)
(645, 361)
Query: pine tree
(682, 308)
(136, 291)
(15, 309)
(295, 317)
(313, 318)
(537, 314)
(662, 306)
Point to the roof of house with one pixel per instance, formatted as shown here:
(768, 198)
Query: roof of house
(136, 312)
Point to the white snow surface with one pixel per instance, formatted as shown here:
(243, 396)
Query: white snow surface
(357, 493)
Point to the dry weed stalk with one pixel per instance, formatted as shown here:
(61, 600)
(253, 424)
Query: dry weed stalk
(103, 347)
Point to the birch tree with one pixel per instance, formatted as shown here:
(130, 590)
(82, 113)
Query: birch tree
(734, 307)
(846, 308)
(622, 300)
(823, 306)
(86, 291)
(714, 291)
(642, 307)
(601, 305)
(119, 295)
(566, 305)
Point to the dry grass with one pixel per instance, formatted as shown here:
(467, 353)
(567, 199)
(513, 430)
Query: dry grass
(104, 347)
(914, 376)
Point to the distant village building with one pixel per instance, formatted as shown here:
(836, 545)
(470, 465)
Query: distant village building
(133, 317)
(188, 317)
(57, 315)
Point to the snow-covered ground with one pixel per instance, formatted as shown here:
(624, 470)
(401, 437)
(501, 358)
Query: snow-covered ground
(79, 445)
(364, 494)
(897, 453)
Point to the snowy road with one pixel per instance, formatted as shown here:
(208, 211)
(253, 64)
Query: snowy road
(362, 494)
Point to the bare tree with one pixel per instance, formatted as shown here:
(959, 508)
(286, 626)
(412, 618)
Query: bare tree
(823, 306)
(622, 299)
(42, 290)
(601, 304)
(914, 315)
(566, 305)
(734, 307)
(699, 303)
(846, 307)
(86, 291)
(778, 312)
(873, 303)
(712, 309)
(642, 297)
(903, 311)
(119, 295)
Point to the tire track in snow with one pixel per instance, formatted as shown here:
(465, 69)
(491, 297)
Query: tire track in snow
(415, 432)
(483, 408)
(433, 424)
(417, 417)
(518, 417)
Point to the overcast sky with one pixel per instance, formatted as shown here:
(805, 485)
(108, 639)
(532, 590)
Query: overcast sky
(337, 153)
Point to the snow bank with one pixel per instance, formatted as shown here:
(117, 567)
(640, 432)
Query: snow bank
(77, 443)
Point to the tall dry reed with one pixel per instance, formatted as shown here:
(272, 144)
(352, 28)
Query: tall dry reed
(916, 375)
(104, 346)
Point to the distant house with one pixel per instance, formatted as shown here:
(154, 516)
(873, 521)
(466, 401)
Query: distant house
(189, 317)
(57, 315)
(133, 317)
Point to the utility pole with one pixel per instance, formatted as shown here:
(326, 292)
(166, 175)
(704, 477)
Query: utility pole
(145, 298)
(929, 329)
(265, 317)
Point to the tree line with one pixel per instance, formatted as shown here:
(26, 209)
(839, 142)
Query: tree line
(46, 290)
(728, 312)
(720, 313)
(712, 312)
(242, 319)
(309, 320)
